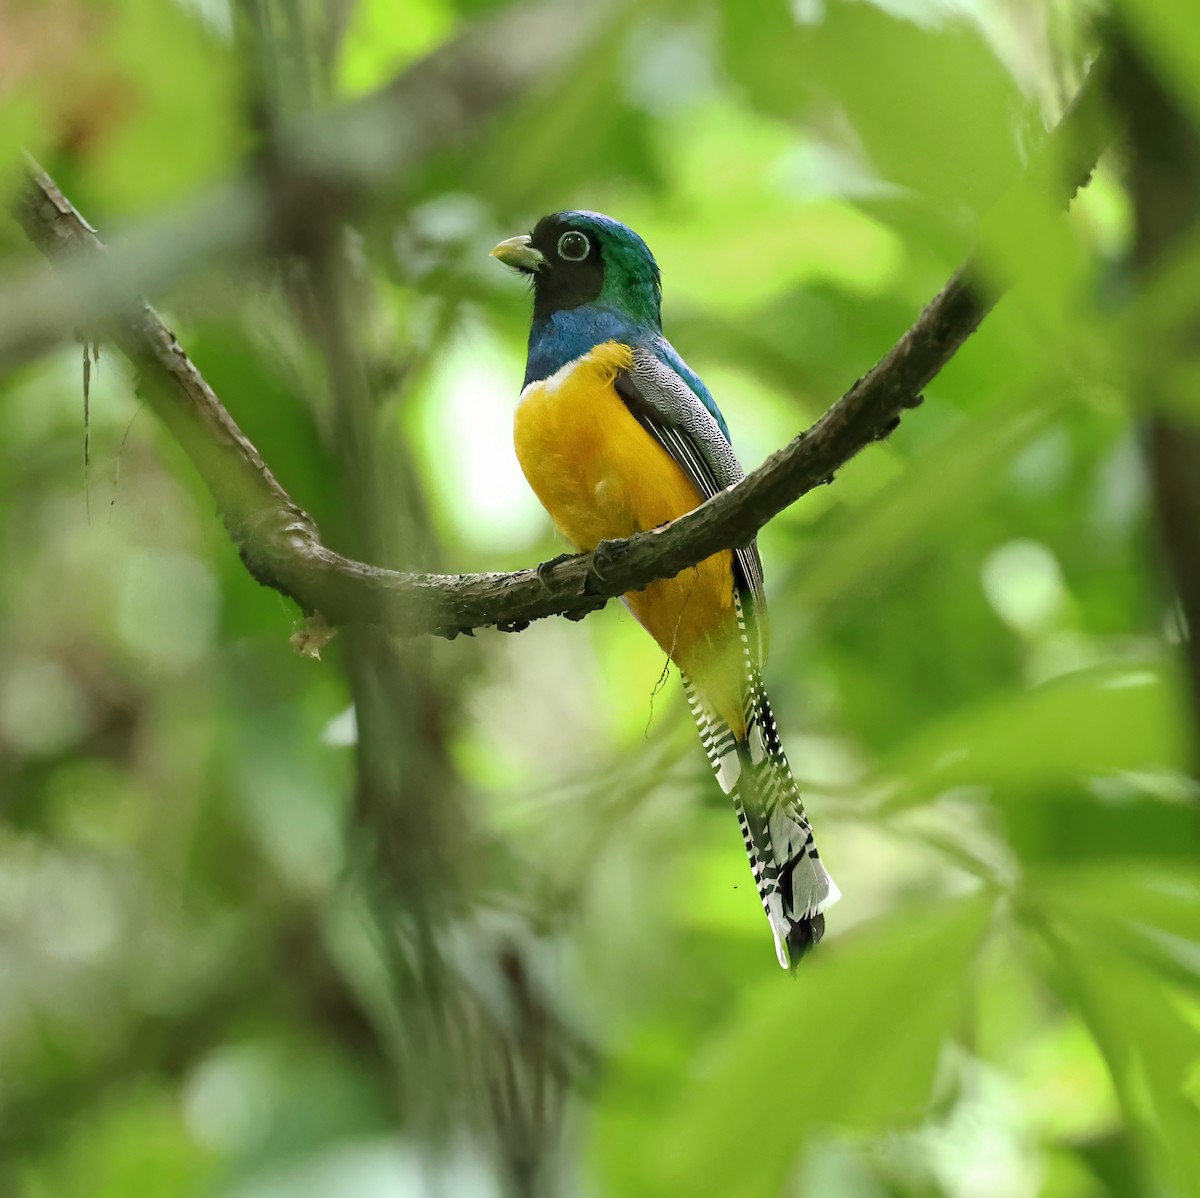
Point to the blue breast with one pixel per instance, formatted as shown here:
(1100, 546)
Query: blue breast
(564, 336)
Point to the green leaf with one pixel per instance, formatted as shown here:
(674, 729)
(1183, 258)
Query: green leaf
(1095, 722)
(1150, 908)
(1150, 1037)
(804, 1056)
(931, 105)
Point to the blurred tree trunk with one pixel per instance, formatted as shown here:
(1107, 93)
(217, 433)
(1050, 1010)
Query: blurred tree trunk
(463, 1075)
(1164, 180)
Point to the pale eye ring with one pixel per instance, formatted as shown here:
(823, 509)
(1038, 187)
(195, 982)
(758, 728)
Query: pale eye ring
(573, 246)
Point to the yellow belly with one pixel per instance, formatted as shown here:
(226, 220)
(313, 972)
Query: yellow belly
(601, 476)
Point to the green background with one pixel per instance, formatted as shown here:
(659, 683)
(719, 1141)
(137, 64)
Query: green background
(207, 978)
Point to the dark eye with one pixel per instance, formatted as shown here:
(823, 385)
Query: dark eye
(573, 246)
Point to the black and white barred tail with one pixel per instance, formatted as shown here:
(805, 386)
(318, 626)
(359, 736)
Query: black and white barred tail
(792, 883)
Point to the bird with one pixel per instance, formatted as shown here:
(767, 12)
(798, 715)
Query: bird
(616, 434)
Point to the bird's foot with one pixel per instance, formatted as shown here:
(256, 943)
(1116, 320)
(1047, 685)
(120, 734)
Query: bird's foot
(602, 555)
(544, 569)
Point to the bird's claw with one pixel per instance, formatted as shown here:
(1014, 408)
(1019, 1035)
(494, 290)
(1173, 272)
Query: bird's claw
(600, 556)
(544, 569)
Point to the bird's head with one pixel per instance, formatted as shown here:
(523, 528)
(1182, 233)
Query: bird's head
(578, 258)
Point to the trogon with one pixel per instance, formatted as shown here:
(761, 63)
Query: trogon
(616, 434)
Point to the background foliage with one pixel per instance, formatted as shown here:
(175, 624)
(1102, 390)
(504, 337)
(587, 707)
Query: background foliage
(201, 986)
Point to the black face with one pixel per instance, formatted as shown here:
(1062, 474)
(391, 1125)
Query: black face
(573, 272)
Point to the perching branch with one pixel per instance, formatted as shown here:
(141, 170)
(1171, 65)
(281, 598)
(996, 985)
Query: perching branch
(281, 546)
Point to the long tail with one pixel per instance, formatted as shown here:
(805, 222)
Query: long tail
(792, 883)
